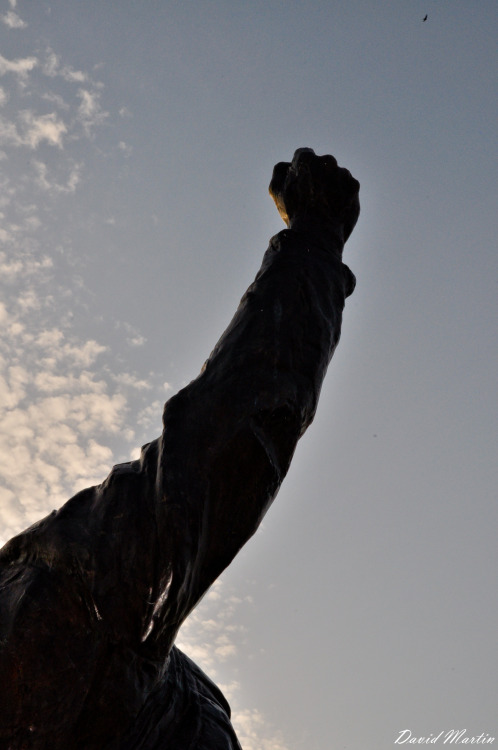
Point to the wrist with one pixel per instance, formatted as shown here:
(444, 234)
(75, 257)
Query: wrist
(328, 234)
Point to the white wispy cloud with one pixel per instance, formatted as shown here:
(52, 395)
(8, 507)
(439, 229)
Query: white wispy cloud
(56, 99)
(9, 134)
(90, 112)
(138, 340)
(55, 411)
(134, 337)
(52, 67)
(125, 148)
(253, 732)
(13, 21)
(76, 114)
(60, 410)
(51, 63)
(20, 67)
(63, 405)
(73, 76)
(13, 267)
(45, 182)
(131, 381)
(32, 130)
(211, 636)
(38, 128)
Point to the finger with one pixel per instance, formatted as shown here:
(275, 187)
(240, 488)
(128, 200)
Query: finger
(302, 156)
(328, 161)
(278, 178)
(351, 184)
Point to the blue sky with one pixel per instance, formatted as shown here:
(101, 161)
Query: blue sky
(136, 144)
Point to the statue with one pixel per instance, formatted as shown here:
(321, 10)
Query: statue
(92, 596)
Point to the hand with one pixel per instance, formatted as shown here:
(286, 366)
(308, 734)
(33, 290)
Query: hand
(314, 188)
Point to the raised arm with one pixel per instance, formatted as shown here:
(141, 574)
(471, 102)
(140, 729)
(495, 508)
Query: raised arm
(229, 436)
(110, 577)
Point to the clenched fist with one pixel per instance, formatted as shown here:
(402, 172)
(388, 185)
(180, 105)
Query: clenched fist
(315, 189)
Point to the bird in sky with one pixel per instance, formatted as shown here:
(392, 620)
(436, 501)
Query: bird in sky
(425, 17)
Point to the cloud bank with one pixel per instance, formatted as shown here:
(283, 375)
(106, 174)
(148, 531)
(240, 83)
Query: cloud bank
(64, 402)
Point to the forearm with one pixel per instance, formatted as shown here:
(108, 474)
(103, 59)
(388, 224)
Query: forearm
(235, 427)
(276, 350)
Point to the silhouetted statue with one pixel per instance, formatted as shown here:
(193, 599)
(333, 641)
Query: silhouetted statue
(93, 596)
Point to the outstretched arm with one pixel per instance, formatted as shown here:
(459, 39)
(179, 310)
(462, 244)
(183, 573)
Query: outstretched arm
(229, 436)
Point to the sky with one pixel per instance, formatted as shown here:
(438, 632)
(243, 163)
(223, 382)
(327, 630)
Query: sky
(137, 141)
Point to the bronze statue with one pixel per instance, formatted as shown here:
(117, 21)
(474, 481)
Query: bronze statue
(92, 597)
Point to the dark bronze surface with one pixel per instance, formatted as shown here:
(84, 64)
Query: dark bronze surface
(92, 596)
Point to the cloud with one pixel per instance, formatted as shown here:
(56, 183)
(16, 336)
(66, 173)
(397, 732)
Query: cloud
(20, 67)
(13, 267)
(253, 731)
(13, 21)
(64, 402)
(76, 113)
(9, 134)
(52, 67)
(60, 407)
(134, 337)
(211, 636)
(40, 128)
(90, 113)
(73, 76)
(33, 130)
(56, 99)
(52, 186)
(51, 63)
(136, 340)
(125, 148)
(55, 414)
(131, 381)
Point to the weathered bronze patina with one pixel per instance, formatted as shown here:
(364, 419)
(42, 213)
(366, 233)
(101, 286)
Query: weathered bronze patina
(92, 597)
